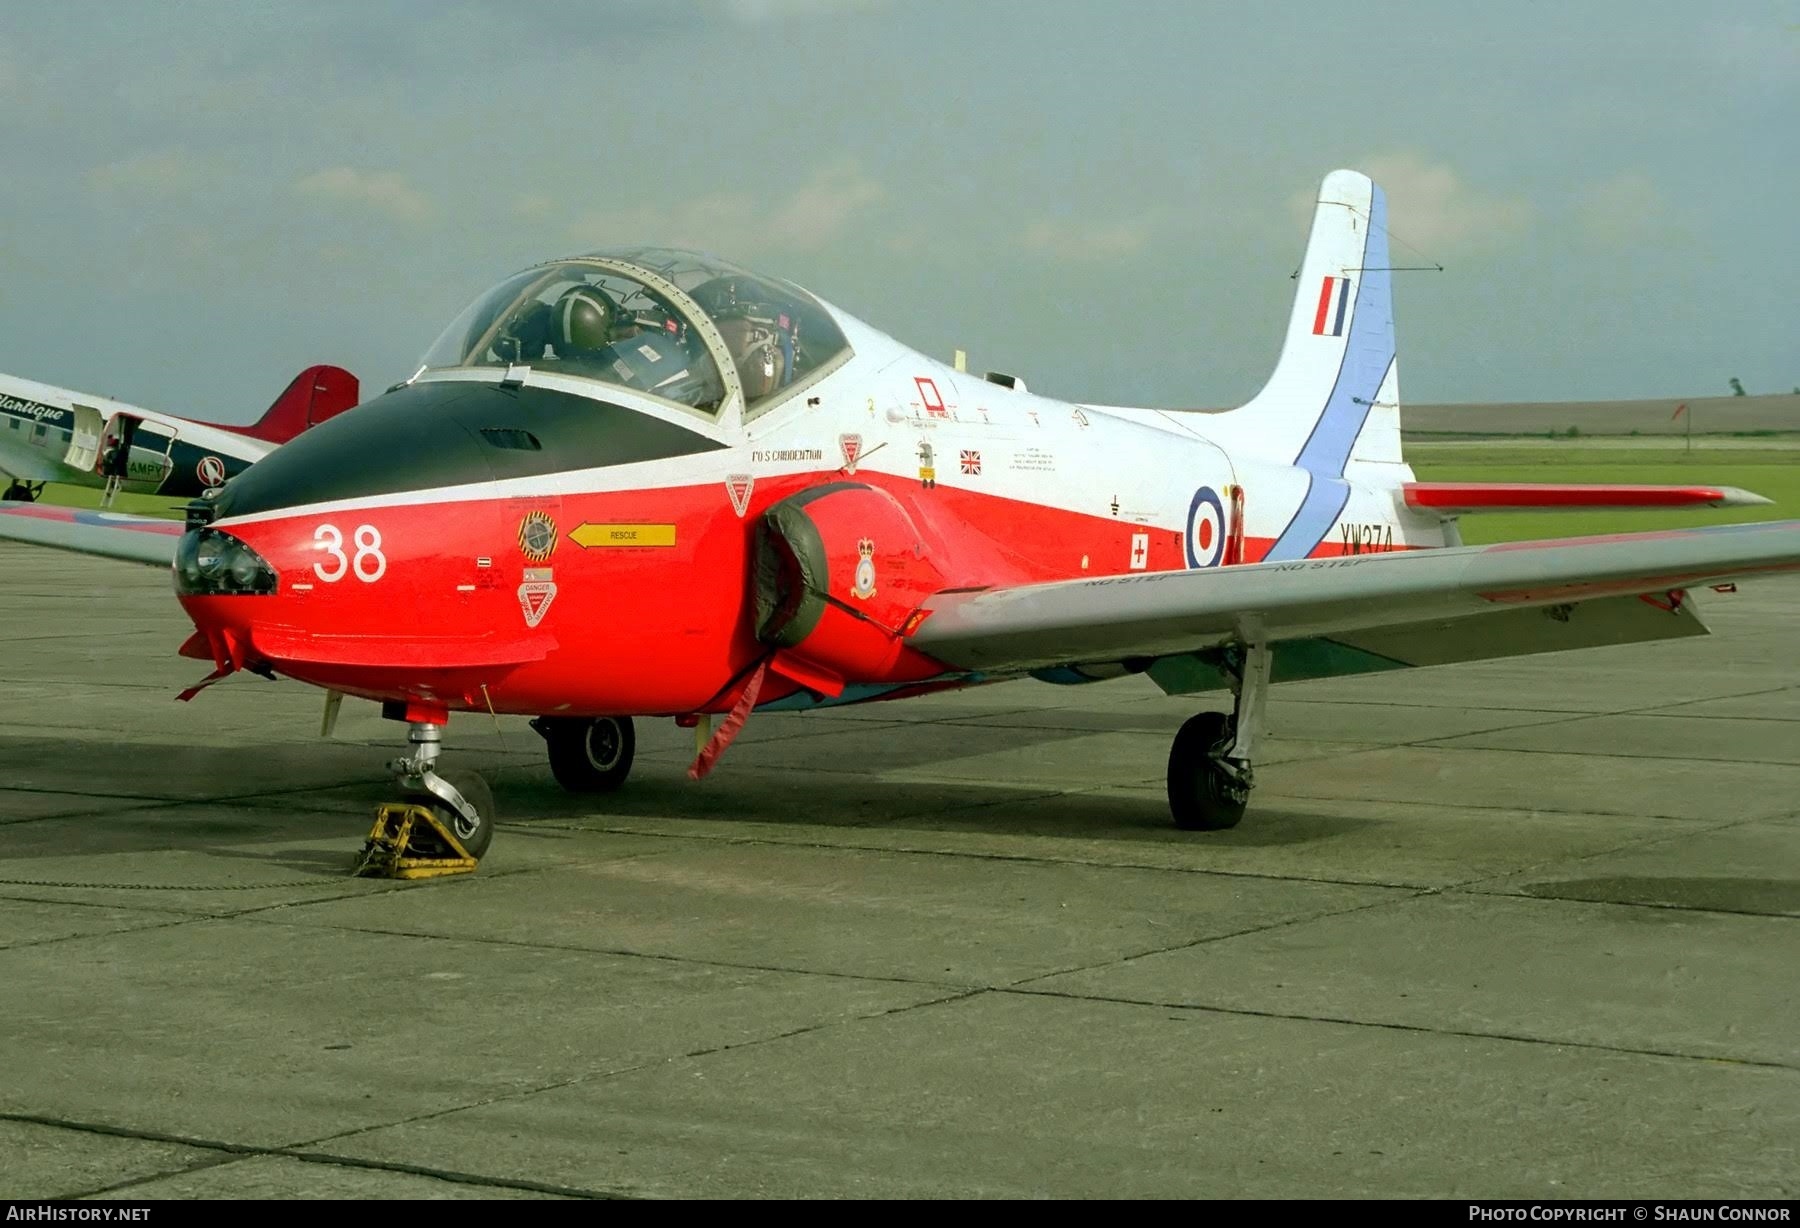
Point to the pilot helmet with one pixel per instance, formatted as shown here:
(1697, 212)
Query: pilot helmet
(583, 321)
(760, 333)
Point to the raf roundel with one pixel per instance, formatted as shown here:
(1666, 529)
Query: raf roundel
(1205, 529)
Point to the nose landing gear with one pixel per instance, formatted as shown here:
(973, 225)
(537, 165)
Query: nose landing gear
(441, 824)
(1210, 763)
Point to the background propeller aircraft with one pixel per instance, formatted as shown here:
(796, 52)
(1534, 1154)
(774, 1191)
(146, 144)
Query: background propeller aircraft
(646, 482)
(50, 434)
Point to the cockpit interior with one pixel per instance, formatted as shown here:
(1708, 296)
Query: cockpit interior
(662, 322)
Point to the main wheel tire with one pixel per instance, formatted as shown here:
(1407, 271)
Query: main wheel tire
(16, 493)
(590, 755)
(474, 837)
(1202, 795)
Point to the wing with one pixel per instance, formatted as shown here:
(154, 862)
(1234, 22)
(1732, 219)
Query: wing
(1362, 611)
(136, 539)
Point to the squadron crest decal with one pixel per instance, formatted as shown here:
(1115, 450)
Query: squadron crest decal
(537, 537)
(863, 584)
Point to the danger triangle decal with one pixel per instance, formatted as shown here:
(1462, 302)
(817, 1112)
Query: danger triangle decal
(535, 598)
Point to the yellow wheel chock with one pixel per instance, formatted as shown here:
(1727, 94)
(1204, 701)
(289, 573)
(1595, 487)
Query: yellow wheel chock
(410, 840)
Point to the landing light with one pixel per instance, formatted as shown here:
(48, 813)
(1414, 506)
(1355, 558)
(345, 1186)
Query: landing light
(212, 563)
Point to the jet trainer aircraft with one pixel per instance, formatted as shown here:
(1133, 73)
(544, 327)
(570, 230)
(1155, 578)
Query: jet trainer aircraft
(647, 482)
(50, 434)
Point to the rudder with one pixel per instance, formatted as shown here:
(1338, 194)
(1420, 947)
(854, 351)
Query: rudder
(1334, 393)
(316, 394)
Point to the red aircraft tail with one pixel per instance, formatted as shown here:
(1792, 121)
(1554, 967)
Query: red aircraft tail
(316, 394)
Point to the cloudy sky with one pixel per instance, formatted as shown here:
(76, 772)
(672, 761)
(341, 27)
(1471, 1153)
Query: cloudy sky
(1107, 198)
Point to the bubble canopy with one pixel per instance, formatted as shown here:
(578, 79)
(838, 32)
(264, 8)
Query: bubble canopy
(654, 320)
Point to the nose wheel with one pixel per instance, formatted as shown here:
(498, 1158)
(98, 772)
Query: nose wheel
(588, 754)
(1210, 762)
(441, 824)
(22, 492)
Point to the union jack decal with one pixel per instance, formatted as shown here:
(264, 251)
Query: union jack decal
(971, 461)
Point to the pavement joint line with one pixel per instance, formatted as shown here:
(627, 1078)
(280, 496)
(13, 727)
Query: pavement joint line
(1646, 839)
(387, 887)
(1204, 940)
(1494, 884)
(1421, 1029)
(987, 855)
(1474, 885)
(232, 1153)
(67, 903)
(1582, 899)
(1669, 712)
(143, 802)
(123, 797)
(1573, 713)
(1417, 893)
(1025, 794)
(1442, 741)
(616, 952)
(171, 923)
(217, 1160)
(139, 803)
(596, 1076)
(1587, 811)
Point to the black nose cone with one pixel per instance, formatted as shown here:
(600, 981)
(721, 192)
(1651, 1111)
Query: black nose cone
(452, 433)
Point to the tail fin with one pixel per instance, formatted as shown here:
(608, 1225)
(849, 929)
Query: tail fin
(316, 394)
(1335, 392)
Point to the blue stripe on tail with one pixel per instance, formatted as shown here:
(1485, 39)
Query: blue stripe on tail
(1368, 354)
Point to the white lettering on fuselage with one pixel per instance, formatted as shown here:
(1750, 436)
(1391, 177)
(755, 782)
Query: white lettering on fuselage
(35, 410)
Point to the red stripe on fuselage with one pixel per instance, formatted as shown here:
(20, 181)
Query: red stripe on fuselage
(630, 630)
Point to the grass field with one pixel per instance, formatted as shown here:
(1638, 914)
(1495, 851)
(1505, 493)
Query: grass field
(1772, 471)
(136, 505)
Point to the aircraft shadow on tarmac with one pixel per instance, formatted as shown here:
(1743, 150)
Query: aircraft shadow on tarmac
(228, 800)
(300, 809)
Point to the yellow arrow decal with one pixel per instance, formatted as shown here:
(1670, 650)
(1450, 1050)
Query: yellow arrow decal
(588, 536)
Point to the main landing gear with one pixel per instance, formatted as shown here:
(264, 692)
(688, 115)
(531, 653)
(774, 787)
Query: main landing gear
(441, 824)
(22, 492)
(1209, 764)
(588, 754)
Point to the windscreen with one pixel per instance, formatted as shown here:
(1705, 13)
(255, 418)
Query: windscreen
(579, 319)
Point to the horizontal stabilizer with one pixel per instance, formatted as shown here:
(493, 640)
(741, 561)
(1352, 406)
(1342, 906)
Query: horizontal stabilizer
(1462, 498)
(136, 539)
